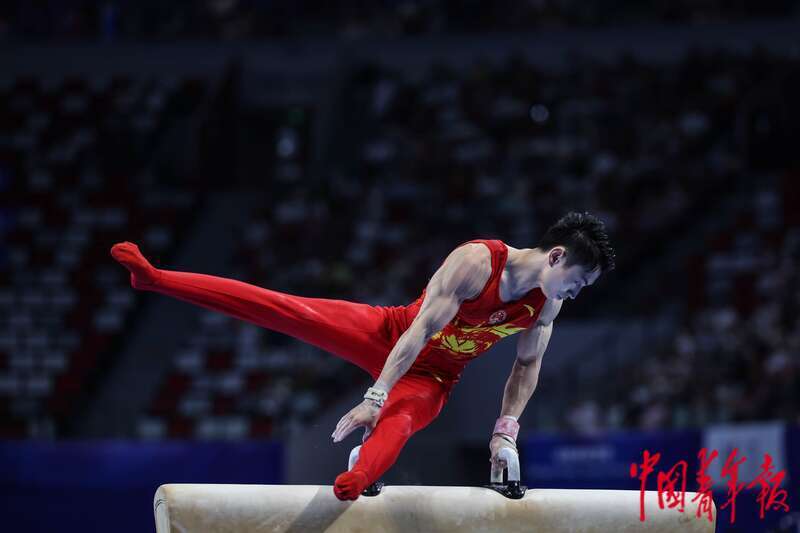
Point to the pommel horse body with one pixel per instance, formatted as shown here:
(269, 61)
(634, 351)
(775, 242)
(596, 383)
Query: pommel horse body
(500, 506)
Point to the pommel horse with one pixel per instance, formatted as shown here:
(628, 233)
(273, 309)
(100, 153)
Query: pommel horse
(500, 506)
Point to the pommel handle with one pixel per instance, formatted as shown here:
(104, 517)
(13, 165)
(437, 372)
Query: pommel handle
(512, 464)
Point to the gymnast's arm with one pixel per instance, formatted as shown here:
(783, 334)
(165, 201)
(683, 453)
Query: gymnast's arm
(463, 275)
(525, 372)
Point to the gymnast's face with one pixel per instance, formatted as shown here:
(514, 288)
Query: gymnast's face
(560, 281)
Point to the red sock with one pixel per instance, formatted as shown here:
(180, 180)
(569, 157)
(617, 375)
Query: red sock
(142, 272)
(350, 485)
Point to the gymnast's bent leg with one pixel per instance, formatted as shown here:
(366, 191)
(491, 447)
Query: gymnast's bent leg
(350, 330)
(412, 404)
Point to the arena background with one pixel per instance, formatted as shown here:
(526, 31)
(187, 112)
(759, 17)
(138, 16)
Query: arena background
(341, 152)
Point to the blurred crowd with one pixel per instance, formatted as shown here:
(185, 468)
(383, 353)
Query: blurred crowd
(736, 357)
(77, 164)
(502, 151)
(348, 19)
(426, 161)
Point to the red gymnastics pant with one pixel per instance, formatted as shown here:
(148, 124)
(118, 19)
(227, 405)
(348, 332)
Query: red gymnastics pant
(356, 332)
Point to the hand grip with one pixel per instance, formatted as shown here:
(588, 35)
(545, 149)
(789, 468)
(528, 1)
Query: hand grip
(512, 463)
(353, 457)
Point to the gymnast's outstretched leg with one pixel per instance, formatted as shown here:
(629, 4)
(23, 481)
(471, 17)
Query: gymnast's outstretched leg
(353, 331)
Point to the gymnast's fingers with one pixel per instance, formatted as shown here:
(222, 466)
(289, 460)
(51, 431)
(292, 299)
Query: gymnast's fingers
(338, 430)
(344, 431)
(345, 426)
(343, 420)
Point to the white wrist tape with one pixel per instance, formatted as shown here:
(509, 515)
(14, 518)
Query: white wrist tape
(506, 426)
(377, 395)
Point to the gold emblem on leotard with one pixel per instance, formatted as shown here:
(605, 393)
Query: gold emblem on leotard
(465, 342)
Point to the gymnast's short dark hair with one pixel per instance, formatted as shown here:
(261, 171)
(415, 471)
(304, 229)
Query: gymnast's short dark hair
(585, 238)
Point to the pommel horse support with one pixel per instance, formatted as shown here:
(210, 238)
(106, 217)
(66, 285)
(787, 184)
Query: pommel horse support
(200, 508)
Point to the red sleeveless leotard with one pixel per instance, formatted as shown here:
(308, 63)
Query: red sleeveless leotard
(479, 323)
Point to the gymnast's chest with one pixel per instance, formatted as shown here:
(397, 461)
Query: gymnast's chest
(473, 331)
(518, 314)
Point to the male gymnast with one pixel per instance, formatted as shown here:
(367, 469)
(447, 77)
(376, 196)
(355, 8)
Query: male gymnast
(483, 291)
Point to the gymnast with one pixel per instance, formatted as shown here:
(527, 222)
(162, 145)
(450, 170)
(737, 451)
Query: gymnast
(483, 291)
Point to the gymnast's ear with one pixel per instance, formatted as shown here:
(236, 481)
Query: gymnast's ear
(556, 254)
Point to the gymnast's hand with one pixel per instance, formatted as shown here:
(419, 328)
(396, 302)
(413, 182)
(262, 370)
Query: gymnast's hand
(364, 415)
(495, 445)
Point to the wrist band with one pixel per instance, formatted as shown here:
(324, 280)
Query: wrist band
(506, 426)
(376, 395)
(506, 438)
